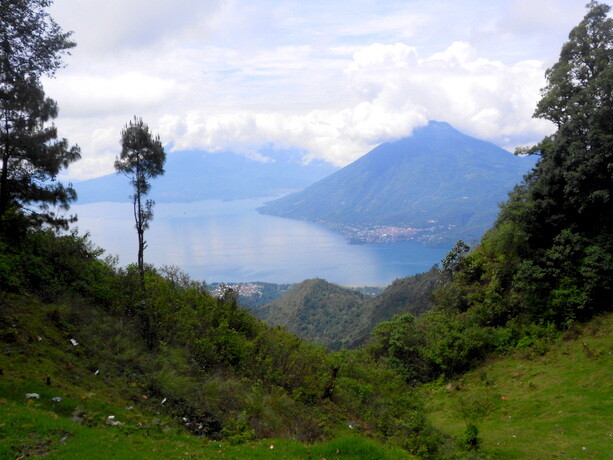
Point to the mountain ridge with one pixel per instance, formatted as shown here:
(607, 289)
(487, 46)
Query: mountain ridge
(316, 310)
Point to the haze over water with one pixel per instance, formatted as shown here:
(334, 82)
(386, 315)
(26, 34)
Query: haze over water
(228, 241)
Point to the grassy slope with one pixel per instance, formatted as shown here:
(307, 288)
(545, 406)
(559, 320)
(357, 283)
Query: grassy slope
(531, 405)
(32, 430)
(33, 348)
(556, 404)
(556, 401)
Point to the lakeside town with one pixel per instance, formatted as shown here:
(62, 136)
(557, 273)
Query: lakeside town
(390, 233)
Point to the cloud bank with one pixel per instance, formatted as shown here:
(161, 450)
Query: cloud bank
(397, 91)
(332, 78)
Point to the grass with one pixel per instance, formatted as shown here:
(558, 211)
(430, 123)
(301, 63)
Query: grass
(30, 429)
(554, 404)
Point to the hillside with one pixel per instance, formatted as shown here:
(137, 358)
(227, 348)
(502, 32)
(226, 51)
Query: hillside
(328, 314)
(317, 311)
(437, 185)
(112, 362)
(193, 176)
(548, 400)
(109, 396)
(411, 294)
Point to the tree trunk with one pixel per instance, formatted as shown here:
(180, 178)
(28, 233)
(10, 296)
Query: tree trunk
(138, 211)
(141, 243)
(4, 198)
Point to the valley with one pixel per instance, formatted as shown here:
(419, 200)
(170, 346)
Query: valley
(294, 259)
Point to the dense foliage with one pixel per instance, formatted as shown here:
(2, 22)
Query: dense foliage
(317, 311)
(565, 211)
(408, 295)
(548, 260)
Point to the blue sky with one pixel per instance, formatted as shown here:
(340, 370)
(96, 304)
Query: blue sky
(332, 77)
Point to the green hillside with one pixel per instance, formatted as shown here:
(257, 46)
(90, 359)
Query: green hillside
(317, 311)
(411, 294)
(336, 317)
(172, 362)
(548, 398)
(551, 400)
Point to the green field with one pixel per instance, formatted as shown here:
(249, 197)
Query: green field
(552, 401)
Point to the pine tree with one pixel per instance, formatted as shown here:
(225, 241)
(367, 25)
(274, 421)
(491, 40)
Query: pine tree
(142, 157)
(31, 155)
(572, 186)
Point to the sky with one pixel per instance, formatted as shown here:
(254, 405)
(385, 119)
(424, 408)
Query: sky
(334, 78)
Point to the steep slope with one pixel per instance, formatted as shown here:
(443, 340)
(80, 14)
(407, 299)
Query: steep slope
(548, 400)
(439, 182)
(318, 311)
(193, 176)
(411, 294)
(97, 353)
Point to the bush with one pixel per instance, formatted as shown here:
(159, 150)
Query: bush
(471, 440)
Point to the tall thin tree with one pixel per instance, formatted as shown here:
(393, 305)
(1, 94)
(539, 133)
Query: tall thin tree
(142, 158)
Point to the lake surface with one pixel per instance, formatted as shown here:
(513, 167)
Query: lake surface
(228, 241)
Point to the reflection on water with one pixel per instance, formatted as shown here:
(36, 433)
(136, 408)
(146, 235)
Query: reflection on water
(229, 241)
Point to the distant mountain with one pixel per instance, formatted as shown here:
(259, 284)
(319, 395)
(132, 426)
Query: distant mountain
(339, 317)
(193, 176)
(316, 310)
(436, 186)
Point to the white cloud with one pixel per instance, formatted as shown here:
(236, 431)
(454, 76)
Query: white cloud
(87, 94)
(397, 91)
(333, 78)
(335, 136)
(479, 96)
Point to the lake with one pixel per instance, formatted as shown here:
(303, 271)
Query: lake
(228, 241)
